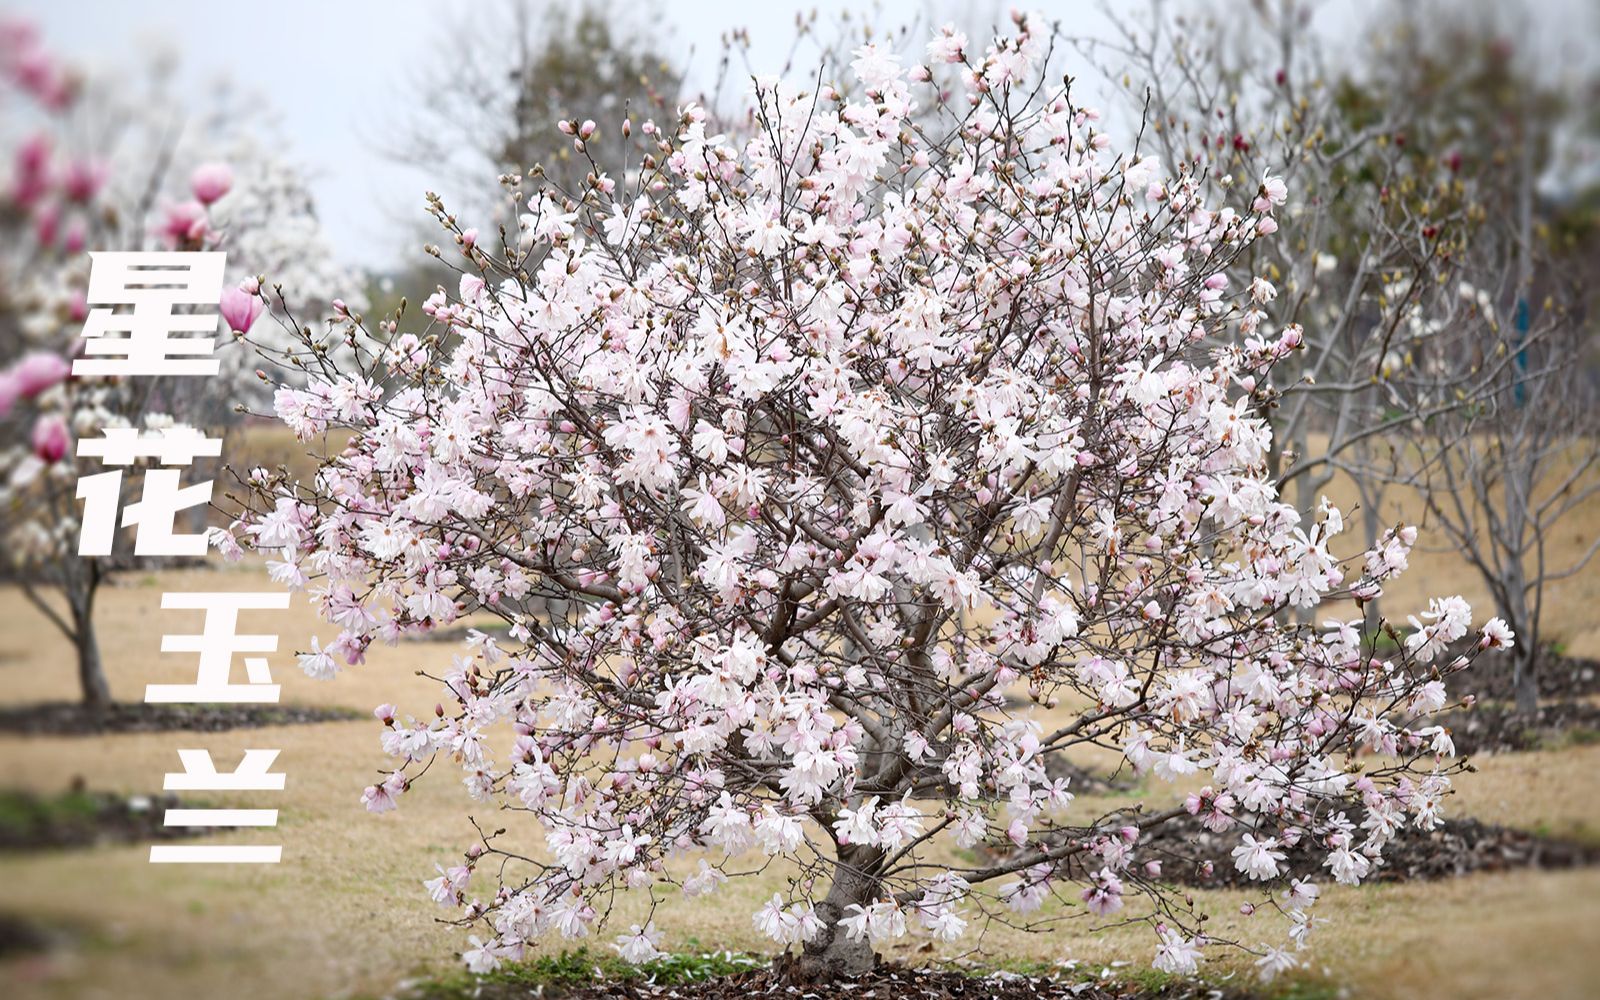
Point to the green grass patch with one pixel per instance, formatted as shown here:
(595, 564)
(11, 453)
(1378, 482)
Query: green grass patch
(582, 967)
(21, 812)
(1577, 736)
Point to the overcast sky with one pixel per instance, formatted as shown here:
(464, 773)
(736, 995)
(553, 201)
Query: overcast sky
(334, 73)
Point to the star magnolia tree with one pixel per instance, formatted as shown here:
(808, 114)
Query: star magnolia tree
(831, 482)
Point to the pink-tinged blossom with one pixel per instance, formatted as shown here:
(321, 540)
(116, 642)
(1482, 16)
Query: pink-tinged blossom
(31, 179)
(1301, 894)
(76, 237)
(183, 224)
(1274, 962)
(1257, 858)
(482, 957)
(318, 664)
(449, 889)
(786, 925)
(878, 922)
(1497, 634)
(1177, 954)
(38, 73)
(383, 796)
(240, 309)
(1448, 620)
(82, 180)
(1104, 896)
(640, 944)
(10, 392)
(47, 223)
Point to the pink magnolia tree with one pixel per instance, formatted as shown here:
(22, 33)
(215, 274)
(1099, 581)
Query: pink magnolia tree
(63, 198)
(829, 481)
(94, 166)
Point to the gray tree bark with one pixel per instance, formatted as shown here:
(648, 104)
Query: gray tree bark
(832, 954)
(91, 669)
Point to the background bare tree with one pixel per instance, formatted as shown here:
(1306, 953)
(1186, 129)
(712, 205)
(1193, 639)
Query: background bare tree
(507, 71)
(1399, 202)
(483, 112)
(1499, 472)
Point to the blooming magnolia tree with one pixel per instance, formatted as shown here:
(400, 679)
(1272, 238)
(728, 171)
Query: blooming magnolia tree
(828, 483)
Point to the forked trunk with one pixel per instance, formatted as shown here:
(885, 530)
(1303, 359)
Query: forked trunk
(832, 954)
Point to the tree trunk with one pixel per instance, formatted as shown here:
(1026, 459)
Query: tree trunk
(832, 954)
(1525, 679)
(1371, 527)
(1524, 676)
(91, 671)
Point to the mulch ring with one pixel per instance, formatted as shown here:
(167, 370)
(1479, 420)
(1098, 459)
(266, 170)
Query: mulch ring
(21, 936)
(73, 719)
(78, 818)
(1497, 728)
(887, 982)
(1568, 714)
(1459, 847)
(1559, 676)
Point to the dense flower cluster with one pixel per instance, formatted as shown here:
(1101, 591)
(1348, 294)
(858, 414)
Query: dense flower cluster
(832, 484)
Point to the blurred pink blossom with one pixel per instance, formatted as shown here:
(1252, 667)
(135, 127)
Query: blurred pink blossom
(17, 34)
(184, 222)
(83, 180)
(76, 238)
(41, 76)
(32, 173)
(9, 391)
(46, 224)
(210, 181)
(25, 61)
(38, 371)
(50, 438)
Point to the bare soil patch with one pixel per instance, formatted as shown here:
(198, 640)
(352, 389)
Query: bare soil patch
(1497, 728)
(1560, 677)
(886, 982)
(1568, 714)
